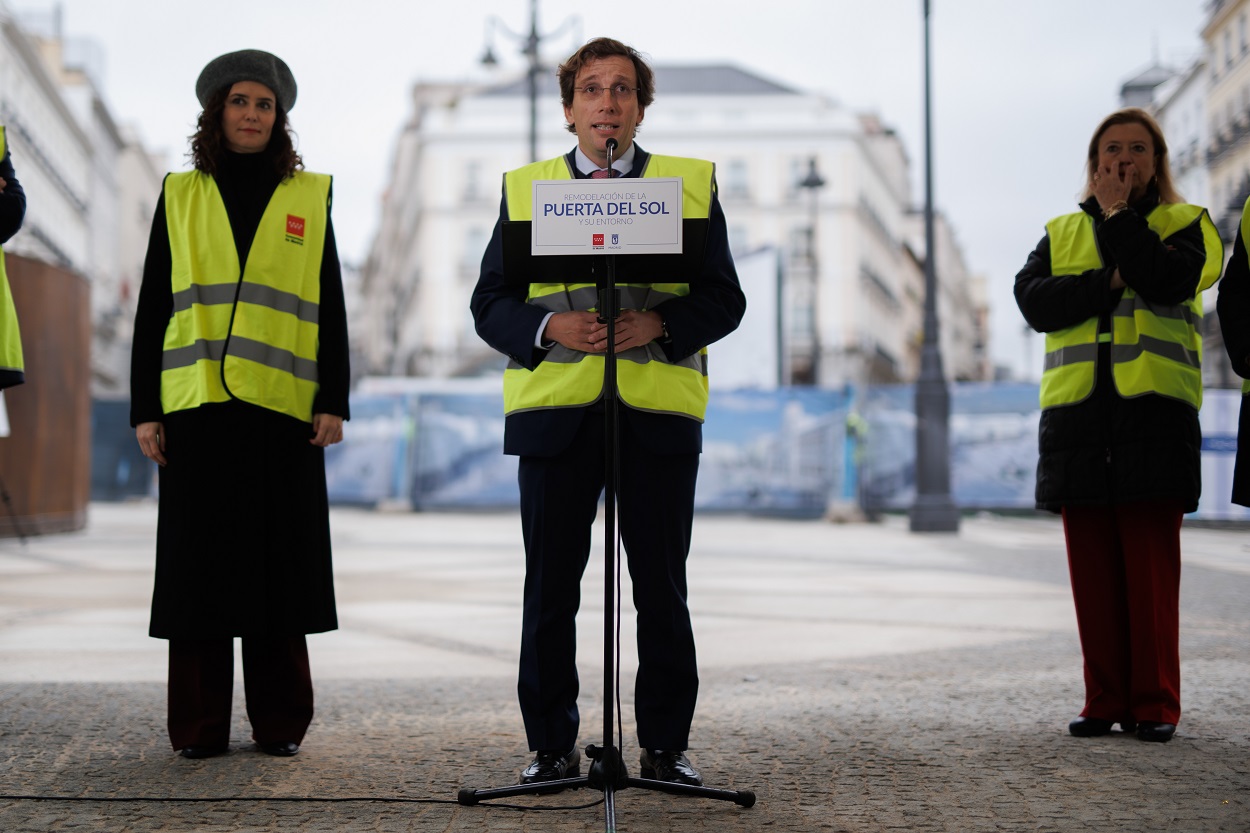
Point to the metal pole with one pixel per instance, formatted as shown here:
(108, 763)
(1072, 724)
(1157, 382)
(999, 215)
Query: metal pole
(814, 261)
(529, 48)
(784, 375)
(531, 52)
(812, 183)
(933, 511)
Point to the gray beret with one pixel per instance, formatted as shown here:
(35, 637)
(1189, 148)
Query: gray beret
(247, 65)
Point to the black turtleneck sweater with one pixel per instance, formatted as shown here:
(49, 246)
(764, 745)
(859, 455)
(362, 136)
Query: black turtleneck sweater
(246, 182)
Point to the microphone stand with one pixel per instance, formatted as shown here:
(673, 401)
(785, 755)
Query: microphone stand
(607, 770)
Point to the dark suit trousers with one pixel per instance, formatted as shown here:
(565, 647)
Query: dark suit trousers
(559, 503)
(277, 684)
(1125, 563)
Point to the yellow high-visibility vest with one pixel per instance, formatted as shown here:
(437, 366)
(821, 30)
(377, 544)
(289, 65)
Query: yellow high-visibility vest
(250, 336)
(646, 379)
(12, 365)
(1155, 349)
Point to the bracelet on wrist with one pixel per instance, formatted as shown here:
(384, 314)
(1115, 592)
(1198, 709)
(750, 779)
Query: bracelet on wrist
(1114, 209)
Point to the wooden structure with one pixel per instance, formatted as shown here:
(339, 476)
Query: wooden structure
(45, 462)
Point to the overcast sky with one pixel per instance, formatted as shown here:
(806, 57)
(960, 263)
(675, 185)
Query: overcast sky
(1018, 85)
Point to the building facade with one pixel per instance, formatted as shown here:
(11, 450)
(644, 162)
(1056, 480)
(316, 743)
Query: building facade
(91, 187)
(824, 191)
(1227, 39)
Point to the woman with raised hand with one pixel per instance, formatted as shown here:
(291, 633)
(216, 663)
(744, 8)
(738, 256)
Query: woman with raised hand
(1116, 286)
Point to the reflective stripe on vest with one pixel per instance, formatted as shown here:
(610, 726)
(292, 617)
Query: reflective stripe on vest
(646, 379)
(253, 336)
(1155, 349)
(12, 365)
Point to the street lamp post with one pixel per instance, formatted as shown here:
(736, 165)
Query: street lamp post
(933, 511)
(812, 183)
(530, 43)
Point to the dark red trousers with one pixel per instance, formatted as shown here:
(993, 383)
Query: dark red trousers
(1125, 563)
(277, 685)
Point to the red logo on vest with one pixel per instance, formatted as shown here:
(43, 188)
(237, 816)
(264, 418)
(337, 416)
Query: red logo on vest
(295, 229)
(596, 240)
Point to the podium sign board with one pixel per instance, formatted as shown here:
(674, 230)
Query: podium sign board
(607, 216)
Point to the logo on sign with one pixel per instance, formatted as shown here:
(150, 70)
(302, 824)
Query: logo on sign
(596, 240)
(295, 229)
(616, 238)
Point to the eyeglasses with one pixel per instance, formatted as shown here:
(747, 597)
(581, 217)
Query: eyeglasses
(622, 92)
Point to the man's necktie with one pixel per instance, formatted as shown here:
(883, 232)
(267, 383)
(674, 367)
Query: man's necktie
(604, 173)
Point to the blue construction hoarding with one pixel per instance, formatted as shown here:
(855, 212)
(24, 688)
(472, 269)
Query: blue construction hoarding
(792, 451)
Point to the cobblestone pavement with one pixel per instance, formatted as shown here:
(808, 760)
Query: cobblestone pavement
(855, 677)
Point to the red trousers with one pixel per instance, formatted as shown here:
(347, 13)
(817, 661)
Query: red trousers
(277, 685)
(1125, 563)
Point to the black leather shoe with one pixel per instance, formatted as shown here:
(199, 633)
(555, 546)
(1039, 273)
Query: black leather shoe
(553, 765)
(1089, 727)
(1092, 727)
(1149, 730)
(195, 752)
(674, 767)
(280, 748)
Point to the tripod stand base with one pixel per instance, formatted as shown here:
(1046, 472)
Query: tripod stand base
(743, 798)
(470, 797)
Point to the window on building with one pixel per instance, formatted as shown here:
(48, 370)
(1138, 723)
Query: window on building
(472, 181)
(803, 319)
(475, 240)
(798, 170)
(801, 243)
(1241, 30)
(739, 240)
(735, 183)
(1228, 48)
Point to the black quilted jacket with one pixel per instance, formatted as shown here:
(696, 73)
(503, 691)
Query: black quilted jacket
(1108, 449)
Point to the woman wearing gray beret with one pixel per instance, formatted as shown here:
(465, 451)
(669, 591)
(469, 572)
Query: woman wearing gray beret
(239, 380)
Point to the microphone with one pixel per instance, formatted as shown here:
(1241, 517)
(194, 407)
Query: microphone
(607, 300)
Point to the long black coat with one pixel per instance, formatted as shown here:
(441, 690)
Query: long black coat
(243, 536)
(1233, 307)
(1108, 449)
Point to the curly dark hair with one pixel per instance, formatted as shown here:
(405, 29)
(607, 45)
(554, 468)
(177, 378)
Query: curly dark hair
(598, 48)
(208, 140)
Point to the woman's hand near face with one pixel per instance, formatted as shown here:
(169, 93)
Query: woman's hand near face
(327, 429)
(1113, 184)
(151, 437)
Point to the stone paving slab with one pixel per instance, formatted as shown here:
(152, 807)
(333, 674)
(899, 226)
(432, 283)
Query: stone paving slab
(855, 677)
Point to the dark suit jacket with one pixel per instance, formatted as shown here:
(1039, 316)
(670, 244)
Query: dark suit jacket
(506, 322)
